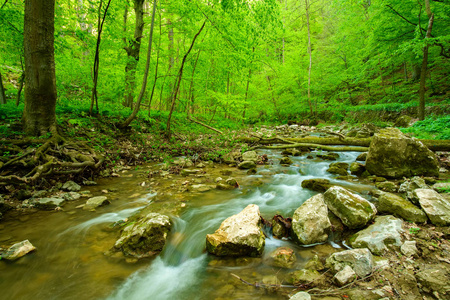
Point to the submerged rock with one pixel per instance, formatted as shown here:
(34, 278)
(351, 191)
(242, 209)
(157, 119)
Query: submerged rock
(304, 276)
(286, 161)
(353, 210)
(239, 235)
(145, 237)
(282, 257)
(402, 208)
(18, 250)
(310, 223)
(319, 185)
(94, 202)
(435, 206)
(394, 155)
(385, 232)
(328, 156)
(360, 260)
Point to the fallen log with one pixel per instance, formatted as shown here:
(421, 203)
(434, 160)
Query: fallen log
(318, 146)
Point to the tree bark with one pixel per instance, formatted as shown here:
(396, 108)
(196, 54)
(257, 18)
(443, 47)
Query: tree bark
(19, 90)
(2, 91)
(423, 71)
(133, 51)
(39, 115)
(147, 67)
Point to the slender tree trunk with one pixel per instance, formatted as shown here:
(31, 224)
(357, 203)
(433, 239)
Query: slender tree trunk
(147, 67)
(191, 86)
(310, 58)
(40, 90)
(2, 91)
(423, 71)
(156, 68)
(178, 81)
(19, 90)
(133, 50)
(246, 94)
(100, 22)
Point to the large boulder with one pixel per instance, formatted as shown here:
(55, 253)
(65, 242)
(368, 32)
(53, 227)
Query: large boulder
(402, 208)
(394, 155)
(353, 210)
(18, 250)
(145, 237)
(360, 260)
(384, 233)
(250, 156)
(435, 206)
(239, 235)
(310, 223)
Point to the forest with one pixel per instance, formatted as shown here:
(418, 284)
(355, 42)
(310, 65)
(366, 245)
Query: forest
(186, 116)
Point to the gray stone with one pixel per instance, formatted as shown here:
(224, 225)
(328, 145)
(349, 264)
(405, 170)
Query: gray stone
(247, 164)
(318, 184)
(49, 203)
(435, 206)
(314, 263)
(360, 260)
(71, 196)
(18, 250)
(238, 235)
(71, 186)
(310, 223)
(250, 156)
(410, 185)
(385, 232)
(94, 202)
(434, 279)
(344, 276)
(387, 186)
(353, 210)
(402, 208)
(201, 188)
(146, 237)
(304, 276)
(187, 172)
(409, 248)
(282, 257)
(301, 296)
(183, 162)
(394, 155)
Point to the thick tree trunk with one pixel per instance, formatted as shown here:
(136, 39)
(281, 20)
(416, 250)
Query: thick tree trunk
(40, 89)
(133, 51)
(2, 91)
(423, 71)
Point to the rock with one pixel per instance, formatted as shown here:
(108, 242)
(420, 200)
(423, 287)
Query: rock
(247, 164)
(362, 156)
(23, 195)
(384, 233)
(318, 184)
(410, 185)
(441, 186)
(401, 208)
(403, 121)
(314, 263)
(144, 238)
(49, 203)
(71, 196)
(357, 168)
(89, 182)
(224, 186)
(18, 250)
(201, 188)
(353, 210)
(250, 156)
(94, 202)
(310, 223)
(251, 171)
(328, 156)
(338, 168)
(282, 257)
(187, 172)
(409, 248)
(238, 235)
(394, 155)
(233, 182)
(286, 161)
(434, 279)
(387, 186)
(184, 162)
(304, 276)
(360, 260)
(291, 151)
(281, 226)
(231, 157)
(301, 296)
(344, 276)
(201, 165)
(71, 186)
(435, 206)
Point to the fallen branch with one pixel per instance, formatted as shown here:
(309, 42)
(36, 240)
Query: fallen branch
(204, 125)
(322, 147)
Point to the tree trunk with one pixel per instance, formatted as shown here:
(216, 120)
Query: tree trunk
(178, 81)
(147, 67)
(133, 51)
(19, 90)
(423, 71)
(40, 89)
(2, 91)
(310, 58)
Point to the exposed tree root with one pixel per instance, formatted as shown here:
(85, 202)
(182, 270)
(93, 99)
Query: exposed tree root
(54, 156)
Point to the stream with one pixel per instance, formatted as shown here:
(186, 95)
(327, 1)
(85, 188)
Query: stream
(69, 262)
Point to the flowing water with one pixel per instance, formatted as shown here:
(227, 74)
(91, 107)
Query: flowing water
(70, 263)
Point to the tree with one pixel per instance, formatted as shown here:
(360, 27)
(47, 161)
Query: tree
(40, 83)
(2, 91)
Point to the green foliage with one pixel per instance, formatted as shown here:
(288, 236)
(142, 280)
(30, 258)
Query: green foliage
(414, 230)
(432, 127)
